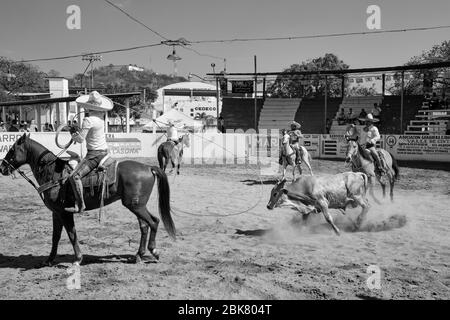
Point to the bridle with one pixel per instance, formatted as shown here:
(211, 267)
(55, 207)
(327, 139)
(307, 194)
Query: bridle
(23, 175)
(353, 162)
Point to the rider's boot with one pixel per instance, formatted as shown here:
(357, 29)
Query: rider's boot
(298, 156)
(378, 166)
(77, 186)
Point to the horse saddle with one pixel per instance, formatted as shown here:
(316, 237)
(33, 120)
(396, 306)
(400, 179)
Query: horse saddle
(104, 174)
(380, 155)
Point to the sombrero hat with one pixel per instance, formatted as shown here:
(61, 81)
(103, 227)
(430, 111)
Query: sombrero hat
(296, 124)
(369, 117)
(95, 101)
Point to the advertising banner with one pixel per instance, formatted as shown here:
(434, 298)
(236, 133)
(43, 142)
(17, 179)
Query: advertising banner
(419, 147)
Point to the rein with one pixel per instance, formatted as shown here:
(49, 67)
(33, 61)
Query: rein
(25, 177)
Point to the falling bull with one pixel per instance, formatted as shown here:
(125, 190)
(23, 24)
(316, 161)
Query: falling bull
(310, 194)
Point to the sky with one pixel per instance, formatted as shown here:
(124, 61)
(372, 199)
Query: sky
(37, 29)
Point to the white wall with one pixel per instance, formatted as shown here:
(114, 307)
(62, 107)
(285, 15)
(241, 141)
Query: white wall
(216, 148)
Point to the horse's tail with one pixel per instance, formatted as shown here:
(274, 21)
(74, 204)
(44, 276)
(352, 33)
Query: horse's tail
(395, 167)
(161, 156)
(164, 201)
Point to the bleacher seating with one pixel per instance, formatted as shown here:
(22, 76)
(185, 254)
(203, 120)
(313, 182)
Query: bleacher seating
(239, 113)
(390, 115)
(427, 121)
(310, 113)
(277, 113)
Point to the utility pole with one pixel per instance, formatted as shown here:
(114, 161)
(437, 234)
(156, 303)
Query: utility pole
(91, 58)
(256, 98)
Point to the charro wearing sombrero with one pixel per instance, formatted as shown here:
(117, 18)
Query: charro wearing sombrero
(296, 135)
(371, 137)
(93, 132)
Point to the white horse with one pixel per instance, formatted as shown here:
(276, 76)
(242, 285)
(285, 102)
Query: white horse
(288, 157)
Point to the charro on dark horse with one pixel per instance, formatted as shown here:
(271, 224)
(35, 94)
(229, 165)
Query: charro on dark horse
(133, 184)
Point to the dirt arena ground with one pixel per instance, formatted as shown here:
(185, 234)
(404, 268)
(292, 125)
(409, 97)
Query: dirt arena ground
(260, 254)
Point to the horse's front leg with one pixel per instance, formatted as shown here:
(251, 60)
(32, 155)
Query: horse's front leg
(284, 170)
(57, 229)
(371, 189)
(69, 225)
(383, 185)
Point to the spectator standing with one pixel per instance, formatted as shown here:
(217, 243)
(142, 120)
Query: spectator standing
(341, 117)
(2, 127)
(13, 127)
(350, 116)
(33, 126)
(47, 127)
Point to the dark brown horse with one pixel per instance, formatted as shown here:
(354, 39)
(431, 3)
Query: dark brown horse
(134, 184)
(168, 151)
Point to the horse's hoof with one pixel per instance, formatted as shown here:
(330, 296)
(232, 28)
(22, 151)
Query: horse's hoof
(137, 259)
(155, 253)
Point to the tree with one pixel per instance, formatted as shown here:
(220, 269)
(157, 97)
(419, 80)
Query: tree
(53, 73)
(25, 78)
(414, 84)
(362, 91)
(297, 86)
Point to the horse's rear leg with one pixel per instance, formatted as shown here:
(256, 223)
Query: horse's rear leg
(144, 235)
(166, 163)
(146, 218)
(391, 185)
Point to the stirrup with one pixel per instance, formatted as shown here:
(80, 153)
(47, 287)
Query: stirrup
(74, 209)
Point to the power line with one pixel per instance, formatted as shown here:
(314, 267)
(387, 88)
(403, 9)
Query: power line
(97, 52)
(160, 35)
(135, 20)
(202, 54)
(321, 35)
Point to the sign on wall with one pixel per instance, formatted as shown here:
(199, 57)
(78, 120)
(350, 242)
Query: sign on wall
(312, 143)
(242, 86)
(417, 147)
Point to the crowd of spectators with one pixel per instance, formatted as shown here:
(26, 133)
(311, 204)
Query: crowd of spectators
(350, 117)
(13, 125)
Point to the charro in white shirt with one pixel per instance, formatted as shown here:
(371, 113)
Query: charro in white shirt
(372, 135)
(93, 131)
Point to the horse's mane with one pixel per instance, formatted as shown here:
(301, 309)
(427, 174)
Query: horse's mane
(44, 153)
(363, 153)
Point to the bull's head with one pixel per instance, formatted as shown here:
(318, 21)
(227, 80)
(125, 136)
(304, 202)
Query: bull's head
(282, 198)
(277, 195)
(16, 156)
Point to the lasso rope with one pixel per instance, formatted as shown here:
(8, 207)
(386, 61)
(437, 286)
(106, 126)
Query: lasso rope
(175, 209)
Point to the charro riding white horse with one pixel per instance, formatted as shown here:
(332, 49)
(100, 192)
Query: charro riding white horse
(288, 157)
